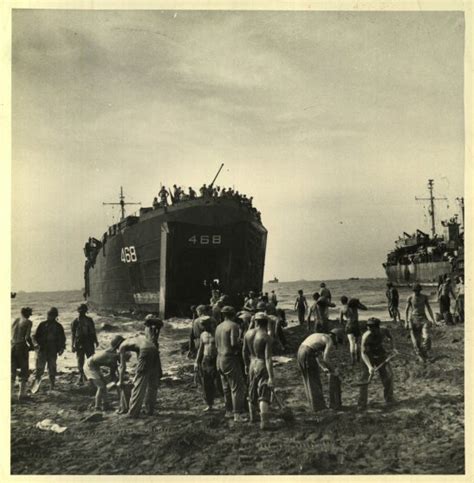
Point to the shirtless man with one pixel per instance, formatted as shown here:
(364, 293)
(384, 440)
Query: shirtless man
(326, 293)
(349, 315)
(205, 364)
(21, 345)
(197, 328)
(108, 358)
(257, 353)
(309, 361)
(301, 306)
(147, 374)
(444, 292)
(392, 300)
(153, 326)
(313, 315)
(229, 365)
(373, 354)
(274, 322)
(417, 322)
(251, 302)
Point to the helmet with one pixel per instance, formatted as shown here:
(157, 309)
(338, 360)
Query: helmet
(417, 287)
(26, 311)
(116, 341)
(153, 320)
(228, 310)
(53, 311)
(261, 306)
(338, 333)
(82, 309)
(373, 322)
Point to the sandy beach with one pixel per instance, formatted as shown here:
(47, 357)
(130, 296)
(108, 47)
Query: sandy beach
(422, 434)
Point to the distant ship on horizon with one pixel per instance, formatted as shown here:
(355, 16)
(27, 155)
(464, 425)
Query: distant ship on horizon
(274, 280)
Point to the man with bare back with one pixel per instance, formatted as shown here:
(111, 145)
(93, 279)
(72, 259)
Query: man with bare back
(310, 360)
(147, 374)
(206, 363)
(257, 353)
(417, 322)
(229, 364)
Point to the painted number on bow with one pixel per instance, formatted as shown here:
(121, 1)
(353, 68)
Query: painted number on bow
(128, 255)
(205, 240)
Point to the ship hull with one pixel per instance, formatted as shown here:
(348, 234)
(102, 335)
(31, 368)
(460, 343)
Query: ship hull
(168, 260)
(427, 273)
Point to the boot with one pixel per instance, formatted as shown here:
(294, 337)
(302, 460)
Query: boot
(52, 382)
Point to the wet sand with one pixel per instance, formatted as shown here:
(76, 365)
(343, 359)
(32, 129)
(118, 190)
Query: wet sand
(422, 434)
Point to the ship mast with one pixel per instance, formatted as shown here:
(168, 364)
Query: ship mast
(431, 210)
(122, 203)
(461, 204)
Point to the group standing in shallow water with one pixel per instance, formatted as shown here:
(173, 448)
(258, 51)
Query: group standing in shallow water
(232, 350)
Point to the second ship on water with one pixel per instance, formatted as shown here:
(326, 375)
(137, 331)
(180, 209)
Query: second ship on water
(423, 258)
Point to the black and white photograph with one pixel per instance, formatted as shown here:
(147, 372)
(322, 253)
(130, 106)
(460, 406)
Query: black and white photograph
(237, 239)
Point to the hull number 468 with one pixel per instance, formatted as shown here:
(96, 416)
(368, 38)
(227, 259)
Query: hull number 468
(128, 254)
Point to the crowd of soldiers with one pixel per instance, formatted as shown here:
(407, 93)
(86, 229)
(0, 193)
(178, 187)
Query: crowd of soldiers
(232, 350)
(177, 194)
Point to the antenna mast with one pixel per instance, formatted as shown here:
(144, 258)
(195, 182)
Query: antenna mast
(431, 210)
(122, 203)
(461, 204)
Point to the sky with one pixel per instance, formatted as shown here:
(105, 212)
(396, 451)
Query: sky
(332, 121)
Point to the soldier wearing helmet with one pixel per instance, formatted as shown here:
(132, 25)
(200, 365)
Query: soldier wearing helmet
(312, 355)
(51, 342)
(84, 338)
(373, 354)
(417, 322)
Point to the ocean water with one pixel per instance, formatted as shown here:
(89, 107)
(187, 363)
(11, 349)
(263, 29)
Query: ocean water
(371, 292)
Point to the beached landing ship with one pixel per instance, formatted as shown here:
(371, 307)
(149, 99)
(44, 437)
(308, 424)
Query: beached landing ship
(423, 258)
(169, 257)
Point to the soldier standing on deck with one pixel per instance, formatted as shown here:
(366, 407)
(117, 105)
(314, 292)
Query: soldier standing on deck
(373, 354)
(84, 338)
(21, 344)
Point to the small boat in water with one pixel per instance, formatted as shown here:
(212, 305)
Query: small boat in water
(275, 280)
